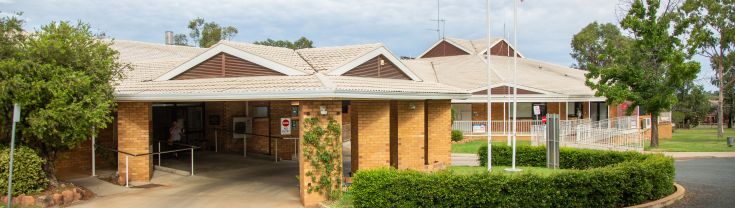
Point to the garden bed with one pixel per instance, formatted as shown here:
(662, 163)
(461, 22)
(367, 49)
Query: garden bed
(595, 179)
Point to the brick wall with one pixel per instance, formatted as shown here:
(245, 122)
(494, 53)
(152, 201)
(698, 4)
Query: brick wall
(72, 163)
(311, 109)
(479, 111)
(282, 109)
(439, 118)
(370, 132)
(133, 136)
(410, 126)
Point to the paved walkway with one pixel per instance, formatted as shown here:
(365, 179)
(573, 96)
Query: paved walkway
(465, 159)
(221, 180)
(693, 155)
(708, 182)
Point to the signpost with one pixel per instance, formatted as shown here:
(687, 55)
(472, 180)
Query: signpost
(285, 126)
(16, 119)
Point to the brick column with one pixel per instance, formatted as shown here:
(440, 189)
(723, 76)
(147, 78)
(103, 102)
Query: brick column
(133, 120)
(310, 109)
(439, 120)
(371, 124)
(410, 124)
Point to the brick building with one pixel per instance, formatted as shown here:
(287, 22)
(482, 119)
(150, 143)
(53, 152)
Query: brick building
(233, 96)
(549, 87)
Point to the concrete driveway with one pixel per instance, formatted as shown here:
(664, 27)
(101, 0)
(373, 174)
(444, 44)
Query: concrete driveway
(708, 182)
(221, 180)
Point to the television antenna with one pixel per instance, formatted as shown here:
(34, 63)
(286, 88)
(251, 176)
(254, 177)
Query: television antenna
(440, 23)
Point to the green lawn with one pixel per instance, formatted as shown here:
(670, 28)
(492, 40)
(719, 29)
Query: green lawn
(702, 139)
(466, 170)
(473, 146)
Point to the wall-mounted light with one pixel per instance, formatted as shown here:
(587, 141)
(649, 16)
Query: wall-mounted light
(323, 110)
(412, 106)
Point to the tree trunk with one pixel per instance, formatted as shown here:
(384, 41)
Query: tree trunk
(729, 118)
(720, 129)
(654, 130)
(49, 167)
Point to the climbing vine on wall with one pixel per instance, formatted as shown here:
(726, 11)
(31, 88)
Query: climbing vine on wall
(322, 149)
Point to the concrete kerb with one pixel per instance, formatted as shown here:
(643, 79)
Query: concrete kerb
(666, 201)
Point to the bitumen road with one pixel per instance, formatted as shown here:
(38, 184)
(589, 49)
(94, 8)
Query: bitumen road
(708, 182)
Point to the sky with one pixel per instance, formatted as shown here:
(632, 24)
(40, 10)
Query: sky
(545, 28)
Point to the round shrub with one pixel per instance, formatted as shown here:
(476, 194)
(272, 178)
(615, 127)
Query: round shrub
(597, 179)
(28, 174)
(457, 135)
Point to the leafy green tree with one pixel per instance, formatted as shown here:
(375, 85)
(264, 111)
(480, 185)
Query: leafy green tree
(205, 34)
(180, 39)
(589, 44)
(729, 90)
(649, 72)
(710, 25)
(62, 75)
(692, 106)
(298, 44)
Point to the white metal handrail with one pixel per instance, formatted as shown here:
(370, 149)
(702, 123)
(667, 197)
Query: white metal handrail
(621, 133)
(503, 127)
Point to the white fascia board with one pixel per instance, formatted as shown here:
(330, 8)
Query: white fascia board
(506, 41)
(518, 86)
(372, 54)
(440, 41)
(293, 95)
(222, 48)
(530, 98)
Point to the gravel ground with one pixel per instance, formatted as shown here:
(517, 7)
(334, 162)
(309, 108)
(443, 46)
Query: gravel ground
(708, 182)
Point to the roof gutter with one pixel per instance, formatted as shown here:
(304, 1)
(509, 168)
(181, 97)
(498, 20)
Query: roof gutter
(299, 95)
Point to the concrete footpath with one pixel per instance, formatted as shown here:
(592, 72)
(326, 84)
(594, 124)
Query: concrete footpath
(696, 155)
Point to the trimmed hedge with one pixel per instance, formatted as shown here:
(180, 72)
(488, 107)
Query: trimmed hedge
(609, 179)
(28, 174)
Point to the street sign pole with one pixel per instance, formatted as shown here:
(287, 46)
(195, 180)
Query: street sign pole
(16, 119)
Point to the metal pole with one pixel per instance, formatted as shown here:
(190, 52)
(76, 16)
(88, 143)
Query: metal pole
(16, 119)
(276, 150)
(244, 146)
(159, 152)
(127, 179)
(489, 94)
(515, 88)
(192, 161)
(94, 169)
(216, 142)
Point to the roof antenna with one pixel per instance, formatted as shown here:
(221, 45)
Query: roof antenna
(440, 23)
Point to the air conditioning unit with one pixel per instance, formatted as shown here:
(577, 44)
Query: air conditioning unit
(241, 126)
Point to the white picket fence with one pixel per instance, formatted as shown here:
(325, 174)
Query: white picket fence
(621, 134)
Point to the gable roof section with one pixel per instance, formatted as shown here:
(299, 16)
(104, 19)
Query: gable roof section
(225, 47)
(359, 60)
(472, 47)
(226, 65)
(502, 48)
(449, 42)
(328, 58)
(377, 67)
(444, 48)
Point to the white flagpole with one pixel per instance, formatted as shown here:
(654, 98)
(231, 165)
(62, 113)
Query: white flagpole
(489, 125)
(515, 88)
(507, 94)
